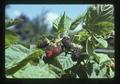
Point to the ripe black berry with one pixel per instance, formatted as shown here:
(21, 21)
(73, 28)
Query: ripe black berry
(76, 54)
(66, 42)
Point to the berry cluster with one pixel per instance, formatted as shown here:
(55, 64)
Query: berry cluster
(76, 49)
(76, 54)
(53, 51)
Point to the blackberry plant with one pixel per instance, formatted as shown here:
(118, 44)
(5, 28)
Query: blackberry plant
(83, 48)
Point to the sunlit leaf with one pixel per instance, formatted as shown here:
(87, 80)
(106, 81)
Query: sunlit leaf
(11, 22)
(99, 15)
(10, 38)
(62, 24)
(35, 72)
(89, 46)
(18, 56)
(66, 61)
(103, 57)
(101, 41)
(76, 22)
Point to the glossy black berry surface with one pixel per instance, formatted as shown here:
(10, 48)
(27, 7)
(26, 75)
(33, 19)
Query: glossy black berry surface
(66, 42)
(76, 54)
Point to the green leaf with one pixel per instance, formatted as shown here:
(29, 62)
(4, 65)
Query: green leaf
(112, 73)
(96, 58)
(89, 46)
(97, 72)
(101, 41)
(55, 62)
(106, 72)
(65, 61)
(99, 13)
(81, 37)
(101, 73)
(62, 24)
(97, 17)
(103, 57)
(38, 71)
(11, 22)
(76, 22)
(18, 56)
(10, 38)
(82, 73)
(103, 28)
(55, 69)
(90, 49)
(56, 22)
(100, 70)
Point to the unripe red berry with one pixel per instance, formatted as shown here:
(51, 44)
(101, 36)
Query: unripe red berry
(56, 50)
(49, 54)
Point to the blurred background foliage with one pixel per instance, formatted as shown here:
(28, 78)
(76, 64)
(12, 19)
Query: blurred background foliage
(79, 29)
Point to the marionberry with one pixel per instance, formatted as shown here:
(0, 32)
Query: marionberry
(66, 42)
(76, 54)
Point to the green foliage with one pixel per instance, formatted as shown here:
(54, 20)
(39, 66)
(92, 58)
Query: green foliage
(65, 61)
(97, 23)
(10, 38)
(100, 70)
(89, 46)
(99, 18)
(76, 22)
(18, 56)
(80, 37)
(17, 63)
(101, 41)
(39, 72)
(90, 50)
(62, 24)
(11, 22)
(103, 28)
